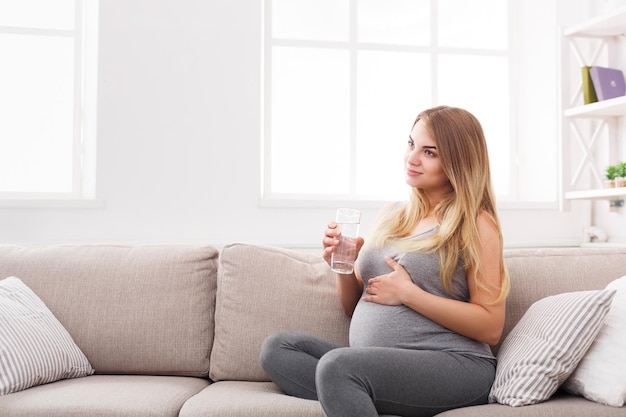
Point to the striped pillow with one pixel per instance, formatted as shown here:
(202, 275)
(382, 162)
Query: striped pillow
(35, 348)
(545, 346)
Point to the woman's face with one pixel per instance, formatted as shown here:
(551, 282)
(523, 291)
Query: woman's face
(422, 163)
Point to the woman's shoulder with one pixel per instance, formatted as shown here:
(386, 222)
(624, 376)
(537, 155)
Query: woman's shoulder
(487, 225)
(392, 206)
(387, 209)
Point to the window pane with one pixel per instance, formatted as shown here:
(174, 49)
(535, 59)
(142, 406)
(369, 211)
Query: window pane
(327, 20)
(481, 85)
(393, 87)
(479, 24)
(36, 113)
(51, 14)
(403, 22)
(310, 123)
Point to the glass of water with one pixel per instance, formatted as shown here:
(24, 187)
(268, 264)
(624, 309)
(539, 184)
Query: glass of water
(342, 260)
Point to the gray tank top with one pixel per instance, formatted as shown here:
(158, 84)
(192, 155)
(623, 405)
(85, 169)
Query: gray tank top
(399, 326)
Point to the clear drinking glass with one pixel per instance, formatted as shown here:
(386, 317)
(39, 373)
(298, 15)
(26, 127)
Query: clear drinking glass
(342, 260)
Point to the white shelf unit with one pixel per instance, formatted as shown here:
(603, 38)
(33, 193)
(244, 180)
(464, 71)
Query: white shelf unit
(608, 108)
(598, 41)
(617, 193)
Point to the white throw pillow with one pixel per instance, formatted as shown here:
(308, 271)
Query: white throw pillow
(35, 347)
(601, 374)
(545, 346)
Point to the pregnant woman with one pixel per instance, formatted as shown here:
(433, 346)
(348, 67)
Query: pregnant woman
(427, 296)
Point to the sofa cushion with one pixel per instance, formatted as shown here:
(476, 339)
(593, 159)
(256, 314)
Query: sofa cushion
(546, 345)
(35, 348)
(558, 406)
(601, 374)
(262, 399)
(104, 396)
(263, 290)
(131, 309)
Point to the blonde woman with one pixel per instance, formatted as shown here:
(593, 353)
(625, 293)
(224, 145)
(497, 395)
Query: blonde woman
(427, 297)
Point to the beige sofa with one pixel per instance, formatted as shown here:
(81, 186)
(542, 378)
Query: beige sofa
(175, 330)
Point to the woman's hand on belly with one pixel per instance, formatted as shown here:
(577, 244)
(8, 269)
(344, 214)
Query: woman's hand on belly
(391, 288)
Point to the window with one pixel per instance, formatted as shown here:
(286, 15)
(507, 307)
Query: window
(47, 109)
(344, 80)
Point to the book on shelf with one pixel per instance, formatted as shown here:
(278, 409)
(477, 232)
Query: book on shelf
(589, 93)
(607, 82)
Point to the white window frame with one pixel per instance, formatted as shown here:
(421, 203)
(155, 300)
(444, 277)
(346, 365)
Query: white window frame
(326, 200)
(85, 35)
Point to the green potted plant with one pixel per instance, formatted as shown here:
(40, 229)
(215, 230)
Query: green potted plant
(611, 174)
(621, 175)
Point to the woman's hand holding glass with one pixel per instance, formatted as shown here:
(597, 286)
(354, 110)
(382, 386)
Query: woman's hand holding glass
(331, 240)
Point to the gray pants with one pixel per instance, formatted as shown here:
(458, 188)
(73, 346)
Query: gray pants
(362, 382)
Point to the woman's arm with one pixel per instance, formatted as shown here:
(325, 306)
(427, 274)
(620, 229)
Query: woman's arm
(349, 290)
(349, 286)
(477, 319)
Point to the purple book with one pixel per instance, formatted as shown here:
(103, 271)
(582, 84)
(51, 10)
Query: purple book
(607, 82)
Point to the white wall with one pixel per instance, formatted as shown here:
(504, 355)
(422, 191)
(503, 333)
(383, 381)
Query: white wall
(179, 139)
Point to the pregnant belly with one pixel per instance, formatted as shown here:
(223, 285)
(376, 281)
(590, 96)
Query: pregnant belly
(388, 326)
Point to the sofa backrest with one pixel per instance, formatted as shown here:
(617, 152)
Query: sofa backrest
(262, 290)
(153, 309)
(539, 273)
(131, 309)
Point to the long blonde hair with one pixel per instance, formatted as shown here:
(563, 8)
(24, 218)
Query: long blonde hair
(463, 154)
